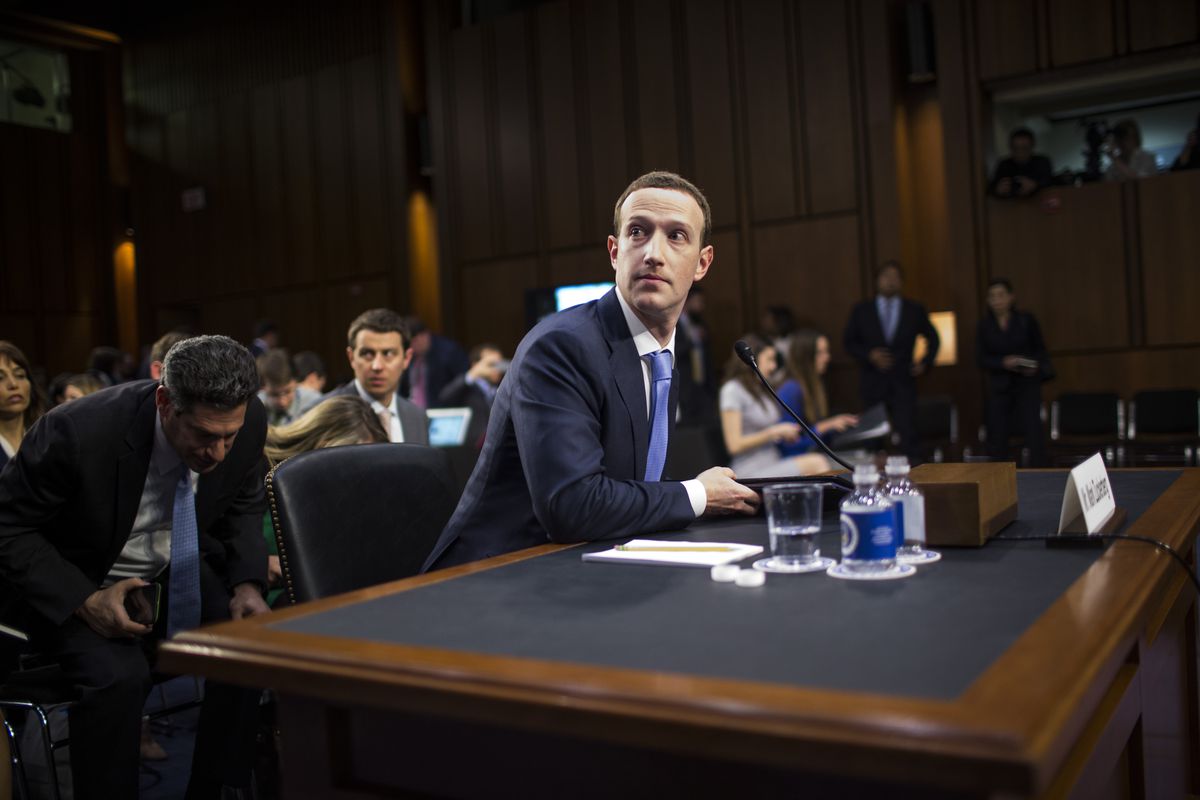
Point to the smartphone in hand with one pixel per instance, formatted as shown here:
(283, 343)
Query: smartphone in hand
(141, 604)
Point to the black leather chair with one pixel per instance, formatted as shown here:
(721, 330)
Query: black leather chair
(359, 515)
(937, 427)
(1164, 427)
(1082, 423)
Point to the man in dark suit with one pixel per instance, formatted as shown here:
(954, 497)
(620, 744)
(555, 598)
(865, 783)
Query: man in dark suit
(436, 361)
(476, 389)
(379, 349)
(137, 485)
(580, 426)
(880, 336)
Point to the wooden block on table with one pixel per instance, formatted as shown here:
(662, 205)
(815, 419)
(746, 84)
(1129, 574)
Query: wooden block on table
(966, 504)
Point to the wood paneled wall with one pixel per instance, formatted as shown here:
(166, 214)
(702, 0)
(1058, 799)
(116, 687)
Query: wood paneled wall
(290, 119)
(58, 205)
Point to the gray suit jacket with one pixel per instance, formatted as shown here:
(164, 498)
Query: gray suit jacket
(413, 421)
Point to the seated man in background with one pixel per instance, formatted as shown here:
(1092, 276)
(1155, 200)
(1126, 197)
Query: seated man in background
(581, 422)
(286, 401)
(476, 389)
(309, 370)
(140, 484)
(379, 349)
(160, 348)
(1023, 172)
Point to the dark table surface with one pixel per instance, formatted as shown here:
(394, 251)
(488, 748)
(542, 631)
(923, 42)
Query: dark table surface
(927, 637)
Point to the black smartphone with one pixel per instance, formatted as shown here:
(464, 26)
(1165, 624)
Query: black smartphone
(141, 604)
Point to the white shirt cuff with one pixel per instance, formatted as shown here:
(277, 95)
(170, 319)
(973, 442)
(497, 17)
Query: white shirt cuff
(697, 495)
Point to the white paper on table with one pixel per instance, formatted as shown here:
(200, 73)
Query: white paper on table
(682, 558)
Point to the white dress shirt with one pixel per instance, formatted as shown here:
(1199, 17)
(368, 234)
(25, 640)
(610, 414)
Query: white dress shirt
(395, 432)
(147, 551)
(646, 343)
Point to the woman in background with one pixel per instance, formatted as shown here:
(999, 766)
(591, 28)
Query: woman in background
(803, 390)
(749, 418)
(80, 385)
(1129, 160)
(1012, 354)
(21, 402)
(331, 423)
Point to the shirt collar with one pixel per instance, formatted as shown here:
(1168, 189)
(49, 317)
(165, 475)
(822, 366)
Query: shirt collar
(377, 406)
(643, 339)
(163, 457)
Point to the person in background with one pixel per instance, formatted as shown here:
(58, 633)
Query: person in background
(777, 324)
(750, 420)
(880, 336)
(697, 384)
(1013, 357)
(160, 348)
(436, 361)
(804, 391)
(54, 391)
(334, 422)
(284, 400)
(1024, 172)
(78, 386)
(1189, 156)
(21, 401)
(108, 365)
(309, 370)
(476, 389)
(266, 337)
(1129, 160)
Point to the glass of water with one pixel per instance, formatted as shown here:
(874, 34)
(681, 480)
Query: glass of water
(793, 521)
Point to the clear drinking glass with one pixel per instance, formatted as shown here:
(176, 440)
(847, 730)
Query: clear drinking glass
(793, 521)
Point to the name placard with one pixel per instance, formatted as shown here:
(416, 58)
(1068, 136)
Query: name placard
(1088, 501)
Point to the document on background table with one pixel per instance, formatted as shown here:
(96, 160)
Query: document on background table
(681, 554)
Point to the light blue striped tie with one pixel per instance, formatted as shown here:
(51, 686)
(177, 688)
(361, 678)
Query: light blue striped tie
(660, 392)
(183, 594)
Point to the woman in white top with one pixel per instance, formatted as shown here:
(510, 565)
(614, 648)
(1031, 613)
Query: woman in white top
(1129, 160)
(750, 418)
(20, 400)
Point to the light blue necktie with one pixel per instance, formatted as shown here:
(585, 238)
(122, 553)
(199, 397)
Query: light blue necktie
(660, 392)
(183, 594)
(891, 317)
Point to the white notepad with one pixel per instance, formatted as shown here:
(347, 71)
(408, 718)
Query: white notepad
(684, 554)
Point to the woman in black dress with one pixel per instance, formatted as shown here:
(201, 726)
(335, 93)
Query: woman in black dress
(1013, 357)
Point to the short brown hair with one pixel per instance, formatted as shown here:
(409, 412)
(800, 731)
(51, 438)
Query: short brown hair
(275, 368)
(159, 350)
(665, 180)
(379, 320)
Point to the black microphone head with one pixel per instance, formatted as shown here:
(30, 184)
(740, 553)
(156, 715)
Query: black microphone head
(744, 353)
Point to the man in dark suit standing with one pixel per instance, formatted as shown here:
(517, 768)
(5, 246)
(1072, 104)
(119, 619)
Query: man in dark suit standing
(880, 336)
(379, 348)
(436, 361)
(141, 484)
(580, 426)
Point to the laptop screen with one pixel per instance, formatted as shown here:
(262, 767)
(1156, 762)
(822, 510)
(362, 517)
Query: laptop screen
(448, 426)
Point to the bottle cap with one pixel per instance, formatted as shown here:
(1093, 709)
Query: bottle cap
(897, 465)
(866, 472)
(751, 578)
(725, 573)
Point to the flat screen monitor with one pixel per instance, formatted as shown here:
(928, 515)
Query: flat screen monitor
(448, 426)
(567, 296)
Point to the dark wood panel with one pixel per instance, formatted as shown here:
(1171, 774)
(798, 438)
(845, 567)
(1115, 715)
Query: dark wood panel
(723, 311)
(1005, 37)
(176, 175)
(1081, 30)
(514, 135)
(1126, 372)
(880, 129)
(1064, 254)
(710, 92)
(68, 342)
(48, 196)
(1170, 243)
(559, 131)
(585, 265)
(89, 245)
(799, 265)
(367, 191)
(768, 104)
(203, 226)
(1161, 23)
(233, 198)
(335, 244)
(299, 177)
(494, 308)
(607, 123)
(20, 254)
(655, 42)
(470, 176)
(827, 115)
(270, 206)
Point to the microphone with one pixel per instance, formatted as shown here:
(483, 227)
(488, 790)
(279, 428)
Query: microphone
(747, 356)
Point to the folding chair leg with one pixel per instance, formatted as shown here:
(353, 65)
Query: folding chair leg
(18, 764)
(48, 746)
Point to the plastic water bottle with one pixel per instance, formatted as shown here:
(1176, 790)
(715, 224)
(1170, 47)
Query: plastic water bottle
(910, 511)
(869, 525)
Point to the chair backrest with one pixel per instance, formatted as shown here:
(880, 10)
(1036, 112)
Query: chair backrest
(937, 418)
(1165, 411)
(359, 515)
(1087, 414)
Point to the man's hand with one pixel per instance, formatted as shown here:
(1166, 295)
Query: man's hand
(1012, 363)
(1004, 187)
(837, 423)
(917, 369)
(104, 611)
(274, 571)
(881, 357)
(1025, 186)
(247, 601)
(725, 495)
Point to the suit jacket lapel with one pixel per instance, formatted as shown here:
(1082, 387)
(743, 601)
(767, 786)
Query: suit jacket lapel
(132, 465)
(627, 372)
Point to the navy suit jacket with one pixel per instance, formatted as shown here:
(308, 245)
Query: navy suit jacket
(413, 421)
(566, 445)
(865, 332)
(69, 498)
